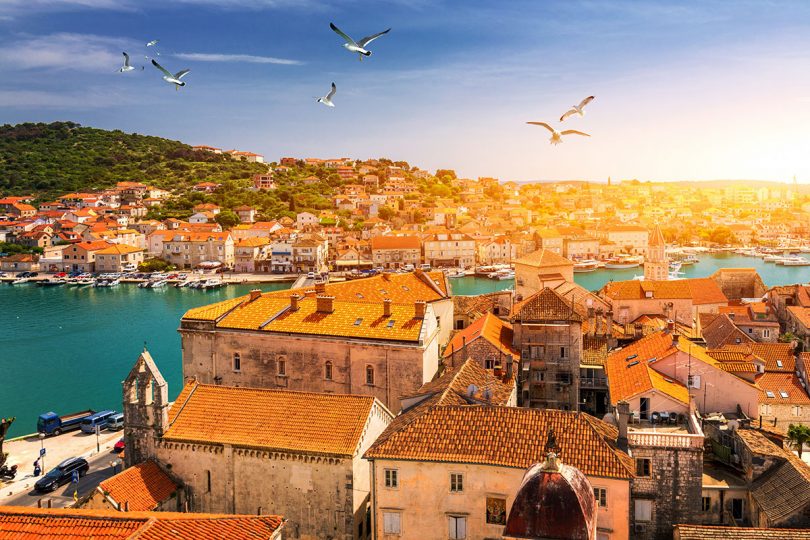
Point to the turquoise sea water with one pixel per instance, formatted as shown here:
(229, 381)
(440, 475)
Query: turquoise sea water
(68, 348)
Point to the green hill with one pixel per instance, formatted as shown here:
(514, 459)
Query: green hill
(56, 158)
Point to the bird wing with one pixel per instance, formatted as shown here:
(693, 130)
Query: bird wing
(339, 32)
(151, 43)
(567, 114)
(180, 74)
(368, 39)
(126, 59)
(161, 68)
(573, 132)
(331, 92)
(585, 101)
(548, 127)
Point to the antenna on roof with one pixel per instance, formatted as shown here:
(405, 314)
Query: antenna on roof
(472, 390)
(487, 394)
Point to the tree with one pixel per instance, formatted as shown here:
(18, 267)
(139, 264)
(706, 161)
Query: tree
(386, 213)
(227, 218)
(798, 435)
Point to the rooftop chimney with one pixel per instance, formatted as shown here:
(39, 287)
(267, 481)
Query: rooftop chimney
(294, 302)
(387, 307)
(320, 287)
(591, 321)
(420, 306)
(255, 294)
(623, 415)
(325, 304)
(670, 326)
(638, 330)
(599, 321)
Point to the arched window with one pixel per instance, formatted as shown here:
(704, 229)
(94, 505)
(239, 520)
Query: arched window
(237, 362)
(369, 374)
(327, 371)
(282, 367)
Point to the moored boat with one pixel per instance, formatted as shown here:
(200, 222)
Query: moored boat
(619, 263)
(586, 265)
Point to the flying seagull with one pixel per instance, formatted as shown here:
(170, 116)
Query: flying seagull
(358, 47)
(577, 109)
(556, 136)
(126, 67)
(152, 43)
(327, 99)
(169, 78)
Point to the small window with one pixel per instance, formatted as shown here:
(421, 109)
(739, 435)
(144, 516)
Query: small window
(796, 410)
(643, 510)
(208, 481)
(706, 504)
(358, 321)
(643, 467)
(456, 482)
(282, 367)
(783, 394)
(327, 371)
(489, 363)
(766, 334)
(601, 496)
(779, 363)
(391, 523)
(737, 508)
(391, 323)
(769, 394)
(458, 527)
(237, 362)
(391, 478)
(563, 352)
(369, 374)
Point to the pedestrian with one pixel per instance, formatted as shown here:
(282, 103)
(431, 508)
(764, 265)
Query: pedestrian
(37, 469)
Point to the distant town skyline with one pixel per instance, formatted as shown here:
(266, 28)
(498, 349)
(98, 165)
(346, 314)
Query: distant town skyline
(687, 90)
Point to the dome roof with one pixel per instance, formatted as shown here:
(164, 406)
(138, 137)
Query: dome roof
(555, 501)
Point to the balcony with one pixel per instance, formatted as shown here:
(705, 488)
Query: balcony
(593, 382)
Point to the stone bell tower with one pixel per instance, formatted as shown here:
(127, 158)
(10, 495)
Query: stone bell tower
(146, 409)
(656, 265)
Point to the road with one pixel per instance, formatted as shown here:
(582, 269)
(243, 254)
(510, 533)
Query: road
(62, 497)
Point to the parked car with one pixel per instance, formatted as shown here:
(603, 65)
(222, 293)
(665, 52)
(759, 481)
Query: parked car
(116, 422)
(62, 474)
(119, 446)
(310, 275)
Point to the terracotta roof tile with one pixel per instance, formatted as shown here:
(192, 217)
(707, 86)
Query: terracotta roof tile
(778, 384)
(777, 356)
(545, 305)
(488, 327)
(395, 242)
(503, 436)
(699, 290)
(24, 523)
(452, 387)
(301, 422)
(542, 258)
(722, 331)
(143, 486)
(702, 532)
(784, 490)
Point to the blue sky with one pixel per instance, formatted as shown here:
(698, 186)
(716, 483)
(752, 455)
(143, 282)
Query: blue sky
(684, 90)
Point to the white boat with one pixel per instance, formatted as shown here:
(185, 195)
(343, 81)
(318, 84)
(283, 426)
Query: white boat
(618, 263)
(20, 281)
(457, 274)
(212, 284)
(504, 274)
(51, 282)
(107, 282)
(795, 261)
(153, 284)
(85, 282)
(587, 265)
(772, 258)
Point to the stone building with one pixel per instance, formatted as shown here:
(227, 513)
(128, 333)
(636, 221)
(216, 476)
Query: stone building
(739, 283)
(252, 451)
(547, 330)
(488, 341)
(460, 467)
(378, 337)
(144, 487)
(656, 265)
(396, 251)
(539, 269)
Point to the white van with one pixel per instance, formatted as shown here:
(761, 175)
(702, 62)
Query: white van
(116, 422)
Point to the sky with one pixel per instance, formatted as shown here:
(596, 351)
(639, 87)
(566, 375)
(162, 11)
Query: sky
(684, 90)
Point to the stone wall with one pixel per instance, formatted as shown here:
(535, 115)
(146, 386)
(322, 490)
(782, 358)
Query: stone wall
(740, 283)
(399, 369)
(674, 488)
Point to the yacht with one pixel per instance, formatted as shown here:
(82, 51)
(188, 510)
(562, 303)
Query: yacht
(457, 274)
(586, 265)
(107, 282)
(504, 274)
(795, 261)
(212, 284)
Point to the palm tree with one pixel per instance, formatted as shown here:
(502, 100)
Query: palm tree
(798, 435)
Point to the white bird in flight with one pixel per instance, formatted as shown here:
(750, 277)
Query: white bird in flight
(358, 47)
(577, 109)
(152, 43)
(327, 99)
(556, 136)
(126, 67)
(169, 78)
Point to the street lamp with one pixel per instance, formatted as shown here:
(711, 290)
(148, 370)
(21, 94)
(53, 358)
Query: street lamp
(42, 450)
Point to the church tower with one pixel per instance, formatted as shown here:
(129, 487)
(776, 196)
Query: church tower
(146, 409)
(656, 266)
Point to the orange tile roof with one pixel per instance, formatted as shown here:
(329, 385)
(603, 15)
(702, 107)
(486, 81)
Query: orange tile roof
(300, 422)
(453, 386)
(801, 314)
(24, 523)
(503, 436)
(699, 290)
(629, 372)
(395, 242)
(253, 242)
(542, 258)
(143, 487)
(775, 353)
(777, 383)
(489, 327)
(118, 249)
(94, 246)
(701, 532)
(545, 305)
